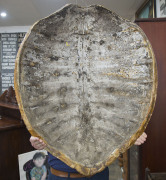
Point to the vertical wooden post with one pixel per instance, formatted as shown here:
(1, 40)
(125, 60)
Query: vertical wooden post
(124, 165)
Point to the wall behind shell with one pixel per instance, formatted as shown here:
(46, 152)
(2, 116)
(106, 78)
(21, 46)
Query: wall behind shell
(10, 40)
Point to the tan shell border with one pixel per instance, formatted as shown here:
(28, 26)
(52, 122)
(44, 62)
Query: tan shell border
(101, 165)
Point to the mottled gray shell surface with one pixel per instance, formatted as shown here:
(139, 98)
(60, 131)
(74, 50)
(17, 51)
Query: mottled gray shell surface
(86, 80)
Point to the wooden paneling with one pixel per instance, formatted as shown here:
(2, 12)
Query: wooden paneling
(153, 152)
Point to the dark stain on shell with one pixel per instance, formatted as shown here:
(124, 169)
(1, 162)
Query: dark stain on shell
(109, 47)
(54, 58)
(85, 118)
(110, 89)
(62, 91)
(87, 107)
(102, 10)
(56, 108)
(102, 42)
(46, 34)
(56, 73)
(109, 105)
(89, 49)
(63, 106)
(67, 74)
(114, 35)
(63, 12)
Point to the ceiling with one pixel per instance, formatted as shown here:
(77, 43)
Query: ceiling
(26, 12)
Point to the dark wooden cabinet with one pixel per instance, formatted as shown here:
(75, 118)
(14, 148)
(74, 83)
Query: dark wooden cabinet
(14, 137)
(152, 154)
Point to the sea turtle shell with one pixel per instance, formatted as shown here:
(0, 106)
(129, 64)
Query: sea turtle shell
(85, 82)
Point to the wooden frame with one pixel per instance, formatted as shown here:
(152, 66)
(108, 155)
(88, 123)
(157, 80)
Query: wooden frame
(160, 8)
(142, 10)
